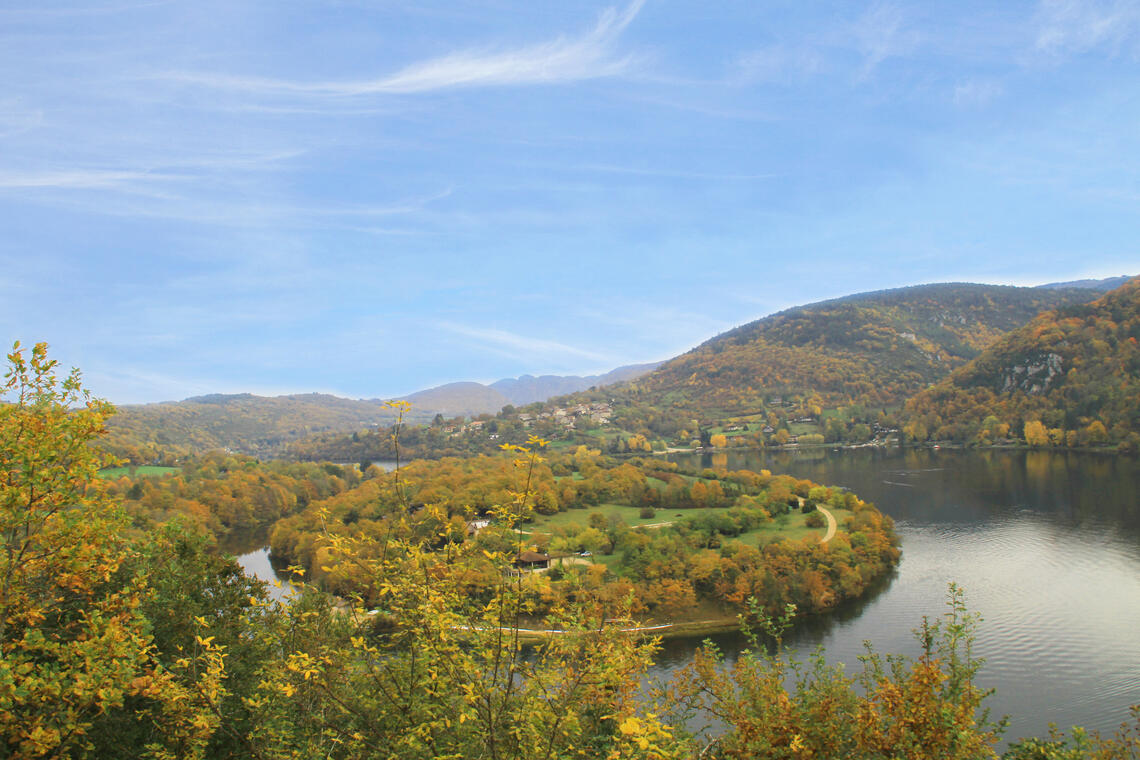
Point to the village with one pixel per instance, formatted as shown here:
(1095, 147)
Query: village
(566, 417)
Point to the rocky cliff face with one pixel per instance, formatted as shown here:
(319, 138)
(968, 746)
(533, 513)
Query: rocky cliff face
(1034, 376)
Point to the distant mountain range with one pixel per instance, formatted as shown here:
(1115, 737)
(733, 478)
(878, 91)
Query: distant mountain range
(529, 389)
(261, 425)
(471, 399)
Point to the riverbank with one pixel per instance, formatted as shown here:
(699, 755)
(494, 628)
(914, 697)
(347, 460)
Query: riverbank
(725, 624)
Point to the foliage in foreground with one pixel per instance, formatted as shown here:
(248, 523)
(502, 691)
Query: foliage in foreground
(153, 647)
(897, 707)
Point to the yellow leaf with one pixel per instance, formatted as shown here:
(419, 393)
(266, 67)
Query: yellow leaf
(630, 725)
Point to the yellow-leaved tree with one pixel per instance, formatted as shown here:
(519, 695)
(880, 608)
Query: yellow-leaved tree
(74, 646)
(437, 665)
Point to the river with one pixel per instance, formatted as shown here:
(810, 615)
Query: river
(1045, 544)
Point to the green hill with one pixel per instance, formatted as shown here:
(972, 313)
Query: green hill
(1072, 375)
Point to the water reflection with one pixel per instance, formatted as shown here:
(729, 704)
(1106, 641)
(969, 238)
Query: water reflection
(1046, 544)
(251, 550)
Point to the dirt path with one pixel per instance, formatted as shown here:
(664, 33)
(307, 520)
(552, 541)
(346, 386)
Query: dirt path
(831, 525)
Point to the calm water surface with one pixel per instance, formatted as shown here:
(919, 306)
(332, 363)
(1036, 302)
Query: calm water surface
(1046, 546)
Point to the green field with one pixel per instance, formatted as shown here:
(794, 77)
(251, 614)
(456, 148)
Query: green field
(114, 473)
(749, 428)
(793, 530)
(631, 516)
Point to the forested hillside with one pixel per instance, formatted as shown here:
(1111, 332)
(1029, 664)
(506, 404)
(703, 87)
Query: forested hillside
(223, 493)
(873, 349)
(1071, 377)
(241, 422)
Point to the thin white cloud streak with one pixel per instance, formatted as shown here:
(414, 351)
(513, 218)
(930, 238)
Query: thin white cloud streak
(882, 34)
(521, 346)
(561, 60)
(139, 179)
(408, 206)
(150, 194)
(665, 173)
(777, 64)
(977, 92)
(1077, 26)
(37, 13)
(79, 179)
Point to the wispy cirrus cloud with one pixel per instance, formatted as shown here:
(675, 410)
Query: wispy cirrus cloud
(976, 92)
(564, 59)
(882, 33)
(81, 179)
(94, 10)
(779, 63)
(143, 175)
(524, 347)
(1077, 26)
(671, 174)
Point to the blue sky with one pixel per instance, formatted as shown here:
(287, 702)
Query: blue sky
(368, 198)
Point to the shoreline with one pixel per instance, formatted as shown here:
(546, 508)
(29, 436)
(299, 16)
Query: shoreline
(664, 630)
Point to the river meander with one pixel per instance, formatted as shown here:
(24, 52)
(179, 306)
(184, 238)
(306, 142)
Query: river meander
(1046, 546)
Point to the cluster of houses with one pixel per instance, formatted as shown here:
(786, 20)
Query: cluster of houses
(599, 414)
(475, 426)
